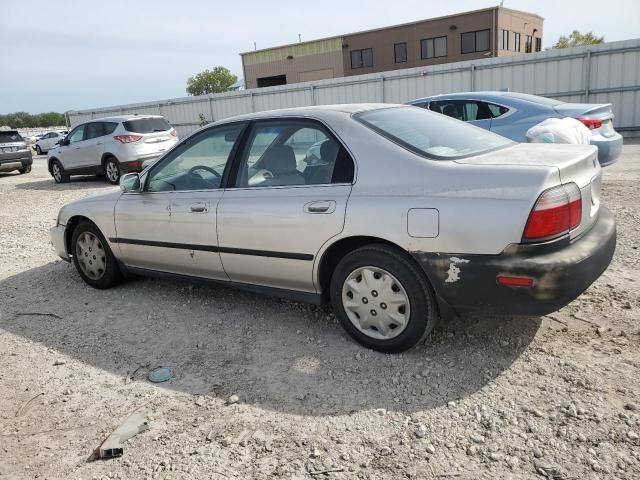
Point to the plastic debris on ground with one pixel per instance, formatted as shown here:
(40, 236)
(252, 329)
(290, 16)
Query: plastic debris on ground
(160, 374)
(112, 446)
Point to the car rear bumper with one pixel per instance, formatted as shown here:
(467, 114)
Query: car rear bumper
(15, 160)
(57, 234)
(560, 270)
(609, 148)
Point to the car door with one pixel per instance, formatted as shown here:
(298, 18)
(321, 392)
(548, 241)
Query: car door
(71, 153)
(92, 146)
(170, 225)
(287, 197)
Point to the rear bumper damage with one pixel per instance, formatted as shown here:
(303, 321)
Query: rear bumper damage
(560, 270)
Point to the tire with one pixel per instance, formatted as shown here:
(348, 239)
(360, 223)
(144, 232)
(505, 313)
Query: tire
(93, 258)
(24, 170)
(362, 281)
(112, 170)
(38, 150)
(58, 173)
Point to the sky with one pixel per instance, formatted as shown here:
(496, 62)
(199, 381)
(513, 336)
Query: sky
(73, 55)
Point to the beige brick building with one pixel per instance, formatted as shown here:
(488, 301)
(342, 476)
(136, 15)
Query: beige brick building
(495, 31)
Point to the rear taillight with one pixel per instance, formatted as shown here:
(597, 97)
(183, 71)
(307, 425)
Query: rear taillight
(173, 132)
(557, 211)
(127, 138)
(591, 123)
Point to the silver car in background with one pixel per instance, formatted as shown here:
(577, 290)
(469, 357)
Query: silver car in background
(396, 215)
(111, 147)
(511, 114)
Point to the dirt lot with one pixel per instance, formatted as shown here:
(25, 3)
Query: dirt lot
(484, 398)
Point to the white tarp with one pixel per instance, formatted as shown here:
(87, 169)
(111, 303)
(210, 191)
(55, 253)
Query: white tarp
(559, 130)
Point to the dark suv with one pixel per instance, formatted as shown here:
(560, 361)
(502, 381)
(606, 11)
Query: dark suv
(14, 152)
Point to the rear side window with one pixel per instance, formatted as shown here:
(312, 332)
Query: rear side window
(431, 135)
(93, 130)
(7, 137)
(109, 127)
(496, 110)
(147, 125)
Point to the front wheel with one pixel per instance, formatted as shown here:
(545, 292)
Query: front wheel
(93, 258)
(112, 170)
(382, 300)
(58, 173)
(38, 150)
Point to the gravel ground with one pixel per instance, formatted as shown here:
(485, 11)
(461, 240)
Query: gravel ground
(483, 398)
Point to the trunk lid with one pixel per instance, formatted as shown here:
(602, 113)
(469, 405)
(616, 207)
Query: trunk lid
(574, 163)
(602, 112)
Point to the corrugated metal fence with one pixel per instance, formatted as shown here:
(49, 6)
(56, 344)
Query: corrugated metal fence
(606, 73)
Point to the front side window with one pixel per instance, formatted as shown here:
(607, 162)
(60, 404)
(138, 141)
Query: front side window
(475, 41)
(433, 47)
(362, 58)
(400, 52)
(293, 153)
(428, 134)
(77, 135)
(197, 164)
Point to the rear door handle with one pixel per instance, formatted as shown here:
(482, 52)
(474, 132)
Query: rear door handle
(320, 206)
(199, 207)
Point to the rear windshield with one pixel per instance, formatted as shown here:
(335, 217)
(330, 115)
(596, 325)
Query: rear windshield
(550, 102)
(147, 125)
(8, 137)
(431, 134)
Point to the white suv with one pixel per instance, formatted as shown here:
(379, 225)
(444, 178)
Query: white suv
(111, 146)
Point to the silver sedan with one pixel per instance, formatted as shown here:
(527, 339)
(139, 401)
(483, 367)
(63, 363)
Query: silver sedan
(396, 215)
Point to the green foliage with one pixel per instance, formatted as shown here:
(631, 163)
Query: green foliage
(577, 39)
(26, 120)
(218, 80)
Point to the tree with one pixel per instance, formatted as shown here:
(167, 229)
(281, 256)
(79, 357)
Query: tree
(218, 80)
(577, 39)
(26, 120)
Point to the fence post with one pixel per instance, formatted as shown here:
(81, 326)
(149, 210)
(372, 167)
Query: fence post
(211, 107)
(382, 88)
(253, 107)
(587, 80)
(313, 94)
(473, 77)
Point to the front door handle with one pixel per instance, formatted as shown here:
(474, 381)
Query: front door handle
(320, 206)
(199, 208)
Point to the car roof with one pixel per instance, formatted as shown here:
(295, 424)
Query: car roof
(122, 118)
(318, 111)
(486, 95)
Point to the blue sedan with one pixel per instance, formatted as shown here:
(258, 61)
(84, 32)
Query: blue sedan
(511, 114)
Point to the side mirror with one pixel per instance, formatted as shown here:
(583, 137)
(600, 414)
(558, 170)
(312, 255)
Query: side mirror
(130, 182)
(59, 142)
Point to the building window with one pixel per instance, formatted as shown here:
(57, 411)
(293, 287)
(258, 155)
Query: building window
(527, 44)
(433, 47)
(516, 42)
(476, 41)
(400, 52)
(504, 40)
(362, 58)
(538, 44)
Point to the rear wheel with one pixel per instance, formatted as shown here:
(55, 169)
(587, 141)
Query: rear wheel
(382, 300)
(93, 258)
(26, 169)
(58, 173)
(38, 150)
(112, 170)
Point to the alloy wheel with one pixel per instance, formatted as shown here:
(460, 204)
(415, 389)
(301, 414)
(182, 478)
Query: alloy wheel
(91, 255)
(376, 303)
(57, 174)
(112, 171)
